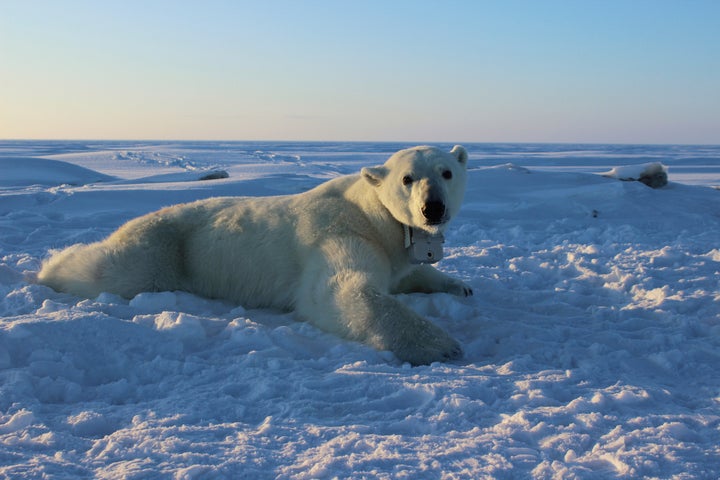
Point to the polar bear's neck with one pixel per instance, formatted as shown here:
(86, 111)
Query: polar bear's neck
(390, 231)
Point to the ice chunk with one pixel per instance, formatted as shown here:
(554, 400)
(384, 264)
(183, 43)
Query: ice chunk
(652, 174)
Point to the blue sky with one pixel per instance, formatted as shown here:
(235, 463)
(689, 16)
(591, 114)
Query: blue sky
(625, 71)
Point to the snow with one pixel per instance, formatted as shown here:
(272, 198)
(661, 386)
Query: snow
(592, 344)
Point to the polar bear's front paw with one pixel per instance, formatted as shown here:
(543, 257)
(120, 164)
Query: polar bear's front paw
(459, 288)
(436, 347)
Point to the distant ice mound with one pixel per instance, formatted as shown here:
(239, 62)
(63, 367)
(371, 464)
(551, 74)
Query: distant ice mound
(652, 174)
(191, 176)
(25, 171)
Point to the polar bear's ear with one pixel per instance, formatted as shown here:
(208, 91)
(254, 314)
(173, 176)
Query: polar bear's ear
(374, 175)
(461, 154)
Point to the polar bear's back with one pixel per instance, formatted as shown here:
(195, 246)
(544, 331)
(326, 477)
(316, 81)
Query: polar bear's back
(253, 251)
(245, 251)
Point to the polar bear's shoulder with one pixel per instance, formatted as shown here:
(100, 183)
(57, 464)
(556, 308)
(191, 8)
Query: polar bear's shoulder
(337, 187)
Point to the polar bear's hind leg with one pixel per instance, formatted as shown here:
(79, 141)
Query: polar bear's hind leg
(145, 255)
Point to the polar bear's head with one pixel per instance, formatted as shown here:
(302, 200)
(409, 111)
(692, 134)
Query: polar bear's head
(422, 187)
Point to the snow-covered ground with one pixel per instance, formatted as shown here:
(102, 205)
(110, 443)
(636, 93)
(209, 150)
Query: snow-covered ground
(592, 344)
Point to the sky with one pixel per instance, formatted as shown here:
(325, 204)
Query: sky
(585, 71)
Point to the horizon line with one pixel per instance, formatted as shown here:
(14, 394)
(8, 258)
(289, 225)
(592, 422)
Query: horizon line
(456, 142)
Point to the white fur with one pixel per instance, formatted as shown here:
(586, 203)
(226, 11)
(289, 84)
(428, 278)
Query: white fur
(334, 254)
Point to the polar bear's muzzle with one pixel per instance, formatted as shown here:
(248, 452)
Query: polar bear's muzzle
(434, 212)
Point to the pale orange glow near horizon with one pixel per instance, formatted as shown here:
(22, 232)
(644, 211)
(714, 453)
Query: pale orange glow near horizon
(521, 71)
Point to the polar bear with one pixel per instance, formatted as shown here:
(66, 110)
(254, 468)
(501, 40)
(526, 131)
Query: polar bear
(334, 254)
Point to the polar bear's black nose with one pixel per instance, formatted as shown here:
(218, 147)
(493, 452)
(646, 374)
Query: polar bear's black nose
(433, 212)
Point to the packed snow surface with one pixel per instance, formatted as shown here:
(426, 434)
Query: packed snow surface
(592, 344)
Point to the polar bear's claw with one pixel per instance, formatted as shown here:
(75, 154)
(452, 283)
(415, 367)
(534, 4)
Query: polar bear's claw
(455, 354)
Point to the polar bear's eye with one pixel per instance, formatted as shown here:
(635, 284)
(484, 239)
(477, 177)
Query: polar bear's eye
(447, 174)
(407, 180)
